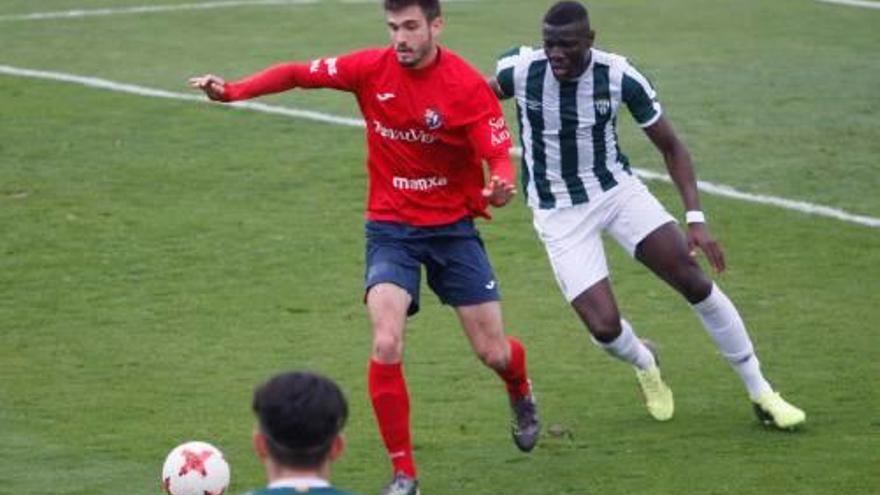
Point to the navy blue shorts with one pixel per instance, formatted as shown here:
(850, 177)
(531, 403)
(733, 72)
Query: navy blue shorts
(454, 257)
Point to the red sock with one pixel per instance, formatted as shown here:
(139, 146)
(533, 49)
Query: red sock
(391, 405)
(515, 377)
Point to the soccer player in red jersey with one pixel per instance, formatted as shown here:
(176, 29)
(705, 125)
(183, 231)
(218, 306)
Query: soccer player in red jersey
(431, 123)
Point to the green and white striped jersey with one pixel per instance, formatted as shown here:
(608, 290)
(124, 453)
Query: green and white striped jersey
(568, 129)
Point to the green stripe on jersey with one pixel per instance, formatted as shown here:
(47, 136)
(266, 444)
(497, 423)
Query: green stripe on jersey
(535, 114)
(568, 146)
(640, 105)
(511, 52)
(621, 158)
(602, 109)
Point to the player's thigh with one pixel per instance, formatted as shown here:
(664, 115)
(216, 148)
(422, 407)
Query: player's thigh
(484, 327)
(388, 305)
(665, 252)
(637, 215)
(459, 271)
(392, 261)
(572, 238)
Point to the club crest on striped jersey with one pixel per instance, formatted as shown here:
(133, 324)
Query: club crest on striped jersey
(433, 119)
(603, 106)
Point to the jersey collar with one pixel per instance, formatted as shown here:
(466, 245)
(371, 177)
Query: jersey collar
(300, 483)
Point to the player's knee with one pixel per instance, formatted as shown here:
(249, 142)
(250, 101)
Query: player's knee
(491, 349)
(602, 322)
(693, 284)
(686, 277)
(387, 347)
(494, 356)
(605, 328)
(597, 309)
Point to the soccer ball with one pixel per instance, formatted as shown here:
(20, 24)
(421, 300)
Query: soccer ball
(195, 468)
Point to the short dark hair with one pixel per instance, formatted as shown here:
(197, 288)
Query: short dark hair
(431, 8)
(565, 13)
(300, 414)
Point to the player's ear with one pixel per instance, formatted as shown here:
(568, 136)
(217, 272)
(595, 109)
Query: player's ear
(437, 26)
(337, 447)
(258, 440)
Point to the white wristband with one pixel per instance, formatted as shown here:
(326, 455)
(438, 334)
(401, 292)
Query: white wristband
(694, 217)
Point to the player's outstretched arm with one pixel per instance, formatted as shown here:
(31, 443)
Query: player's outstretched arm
(336, 73)
(275, 79)
(212, 85)
(681, 170)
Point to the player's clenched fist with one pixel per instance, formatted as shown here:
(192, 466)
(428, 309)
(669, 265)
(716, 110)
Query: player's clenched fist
(211, 85)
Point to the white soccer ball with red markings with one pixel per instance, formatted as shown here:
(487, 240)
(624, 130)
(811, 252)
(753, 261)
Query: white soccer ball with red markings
(195, 468)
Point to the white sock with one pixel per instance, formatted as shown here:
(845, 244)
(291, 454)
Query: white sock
(727, 329)
(627, 347)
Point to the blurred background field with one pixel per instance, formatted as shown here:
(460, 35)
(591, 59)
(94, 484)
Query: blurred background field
(160, 258)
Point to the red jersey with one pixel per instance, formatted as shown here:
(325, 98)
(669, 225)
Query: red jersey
(428, 130)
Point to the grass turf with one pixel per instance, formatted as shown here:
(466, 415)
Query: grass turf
(158, 259)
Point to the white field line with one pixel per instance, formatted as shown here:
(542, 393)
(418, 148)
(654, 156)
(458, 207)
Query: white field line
(707, 187)
(787, 204)
(854, 3)
(94, 82)
(149, 9)
(152, 9)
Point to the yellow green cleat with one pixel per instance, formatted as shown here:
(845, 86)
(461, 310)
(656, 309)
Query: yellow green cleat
(658, 396)
(773, 410)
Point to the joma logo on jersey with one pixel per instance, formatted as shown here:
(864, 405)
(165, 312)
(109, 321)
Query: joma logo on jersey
(433, 120)
(420, 184)
(603, 106)
(408, 135)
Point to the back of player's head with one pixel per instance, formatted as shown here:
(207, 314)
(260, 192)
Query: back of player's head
(431, 8)
(300, 414)
(565, 13)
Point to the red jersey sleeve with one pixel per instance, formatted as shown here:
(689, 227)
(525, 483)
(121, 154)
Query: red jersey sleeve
(490, 136)
(342, 73)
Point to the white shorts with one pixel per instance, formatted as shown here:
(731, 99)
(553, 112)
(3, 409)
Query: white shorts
(573, 235)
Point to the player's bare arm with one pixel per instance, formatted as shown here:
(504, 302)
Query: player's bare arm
(496, 88)
(681, 170)
(212, 85)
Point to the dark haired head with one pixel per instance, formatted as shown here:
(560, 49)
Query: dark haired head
(565, 13)
(300, 414)
(568, 39)
(431, 8)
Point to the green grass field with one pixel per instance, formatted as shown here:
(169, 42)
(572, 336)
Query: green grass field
(160, 258)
